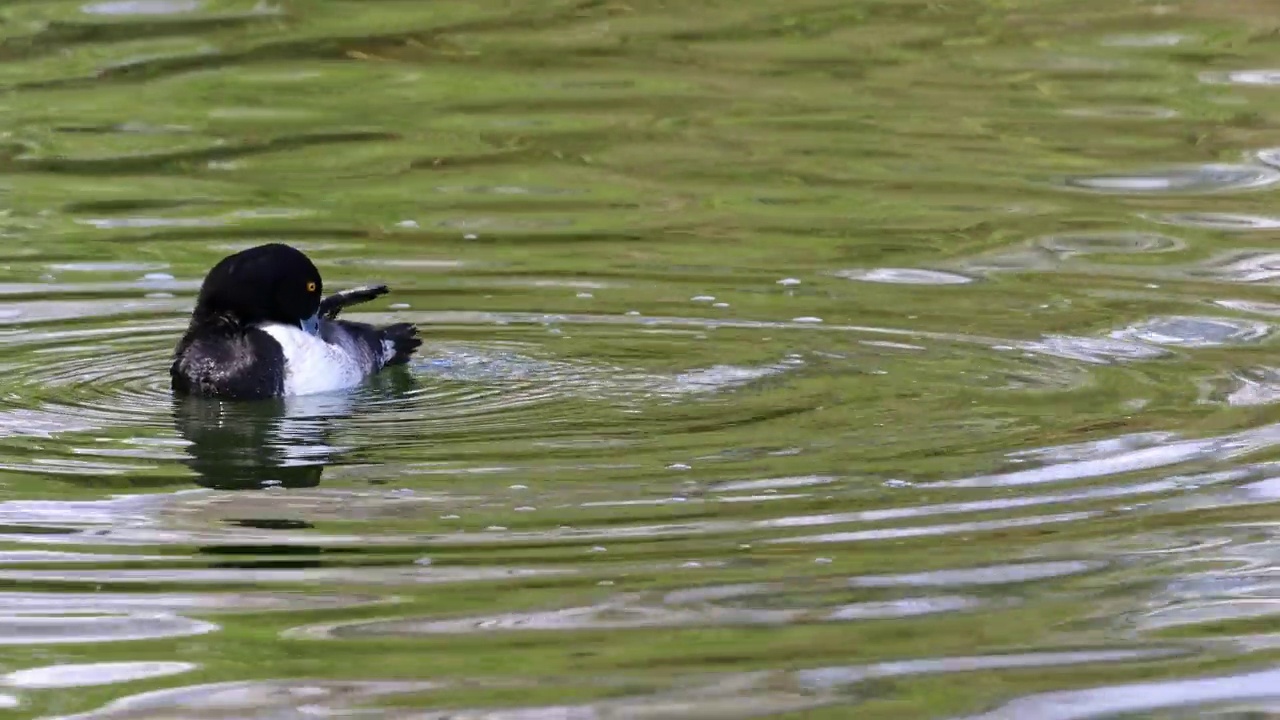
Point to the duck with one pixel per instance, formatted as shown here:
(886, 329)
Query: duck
(262, 328)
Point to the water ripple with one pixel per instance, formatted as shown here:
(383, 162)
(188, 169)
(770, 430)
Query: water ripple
(1219, 221)
(634, 612)
(904, 276)
(1196, 332)
(1180, 179)
(1242, 77)
(1109, 243)
(38, 630)
(991, 575)
(90, 674)
(1101, 702)
(252, 699)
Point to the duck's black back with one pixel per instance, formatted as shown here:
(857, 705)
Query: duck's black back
(227, 360)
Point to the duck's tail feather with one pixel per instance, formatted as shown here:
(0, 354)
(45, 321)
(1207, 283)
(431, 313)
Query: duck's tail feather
(398, 342)
(337, 302)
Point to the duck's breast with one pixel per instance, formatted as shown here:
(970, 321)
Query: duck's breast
(313, 365)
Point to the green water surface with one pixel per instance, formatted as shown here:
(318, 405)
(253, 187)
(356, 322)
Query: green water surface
(875, 359)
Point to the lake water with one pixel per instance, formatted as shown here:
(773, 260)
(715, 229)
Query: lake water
(875, 359)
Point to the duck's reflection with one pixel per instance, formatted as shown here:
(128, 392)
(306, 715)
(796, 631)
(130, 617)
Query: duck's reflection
(287, 442)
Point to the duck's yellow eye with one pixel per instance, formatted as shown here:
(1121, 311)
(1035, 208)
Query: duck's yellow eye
(311, 286)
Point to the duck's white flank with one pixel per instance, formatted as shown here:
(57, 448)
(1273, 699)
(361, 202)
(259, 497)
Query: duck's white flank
(313, 365)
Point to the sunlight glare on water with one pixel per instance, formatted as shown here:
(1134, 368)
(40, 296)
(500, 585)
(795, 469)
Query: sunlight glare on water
(878, 359)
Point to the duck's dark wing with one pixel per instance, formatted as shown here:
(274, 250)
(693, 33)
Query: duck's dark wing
(373, 346)
(244, 365)
(335, 303)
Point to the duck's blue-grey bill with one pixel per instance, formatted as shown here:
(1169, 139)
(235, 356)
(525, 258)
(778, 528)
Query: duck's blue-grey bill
(312, 324)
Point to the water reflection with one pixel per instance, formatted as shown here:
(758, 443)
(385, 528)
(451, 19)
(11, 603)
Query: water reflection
(276, 443)
(239, 446)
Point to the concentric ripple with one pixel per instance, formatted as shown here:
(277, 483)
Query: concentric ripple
(1113, 243)
(1180, 179)
(1220, 221)
(1196, 331)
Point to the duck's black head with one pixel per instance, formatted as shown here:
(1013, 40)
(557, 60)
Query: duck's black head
(267, 283)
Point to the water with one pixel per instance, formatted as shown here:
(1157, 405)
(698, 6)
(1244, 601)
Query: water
(874, 359)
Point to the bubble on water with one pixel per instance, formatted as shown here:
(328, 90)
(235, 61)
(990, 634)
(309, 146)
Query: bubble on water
(584, 296)
(1109, 243)
(679, 466)
(807, 319)
(703, 298)
(904, 276)
(1212, 177)
(398, 306)
(720, 305)
(1192, 332)
(407, 224)
(788, 282)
